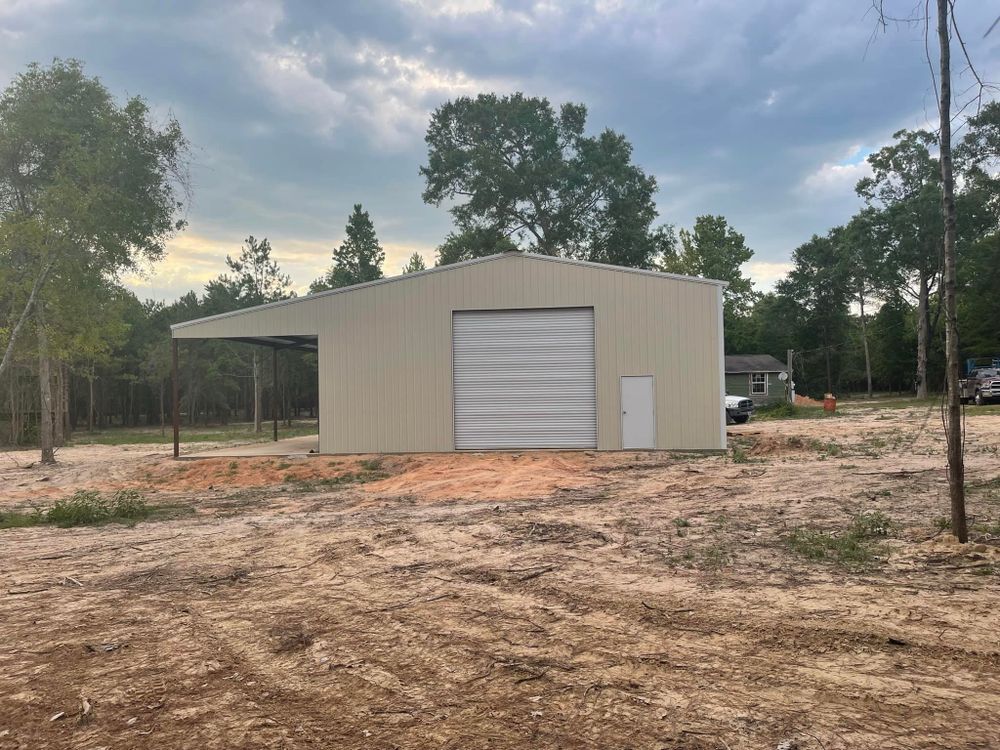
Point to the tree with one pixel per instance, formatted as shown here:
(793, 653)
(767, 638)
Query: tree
(517, 170)
(472, 243)
(906, 186)
(82, 181)
(861, 249)
(817, 284)
(714, 250)
(359, 257)
(415, 263)
(954, 427)
(256, 280)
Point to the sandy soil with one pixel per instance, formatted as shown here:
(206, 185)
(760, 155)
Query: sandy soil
(519, 600)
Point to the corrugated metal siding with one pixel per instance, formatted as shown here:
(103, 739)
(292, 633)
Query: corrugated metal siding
(385, 351)
(524, 379)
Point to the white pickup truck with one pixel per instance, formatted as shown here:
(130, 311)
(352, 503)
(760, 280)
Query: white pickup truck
(739, 409)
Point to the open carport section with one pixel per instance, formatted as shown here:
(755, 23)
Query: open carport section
(511, 351)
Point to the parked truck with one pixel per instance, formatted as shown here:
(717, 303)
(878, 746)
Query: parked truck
(982, 383)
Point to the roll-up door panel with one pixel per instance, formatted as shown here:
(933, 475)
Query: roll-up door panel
(524, 379)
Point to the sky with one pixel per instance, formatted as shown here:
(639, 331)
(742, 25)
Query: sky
(760, 110)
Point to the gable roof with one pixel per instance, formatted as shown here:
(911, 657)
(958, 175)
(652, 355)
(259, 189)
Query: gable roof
(754, 363)
(450, 267)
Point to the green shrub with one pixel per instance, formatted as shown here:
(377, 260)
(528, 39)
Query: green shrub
(88, 507)
(82, 508)
(129, 504)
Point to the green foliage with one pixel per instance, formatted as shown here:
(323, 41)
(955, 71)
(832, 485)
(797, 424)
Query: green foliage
(10, 519)
(256, 279)
(415, 263)
(87, 507)
(715, 250)
(517, 170)
(359, 257)
(474, 242)
(89, 189)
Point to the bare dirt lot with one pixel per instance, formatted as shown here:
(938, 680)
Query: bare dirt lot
(800, 592)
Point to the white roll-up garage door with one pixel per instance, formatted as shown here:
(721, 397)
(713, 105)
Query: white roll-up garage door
(525, 379)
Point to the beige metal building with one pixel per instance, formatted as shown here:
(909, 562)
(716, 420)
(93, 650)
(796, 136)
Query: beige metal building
(505, 352)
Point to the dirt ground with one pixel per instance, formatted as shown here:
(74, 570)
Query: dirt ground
(573, 600)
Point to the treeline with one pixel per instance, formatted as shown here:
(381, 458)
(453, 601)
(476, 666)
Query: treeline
(862, 304)
(91, 189)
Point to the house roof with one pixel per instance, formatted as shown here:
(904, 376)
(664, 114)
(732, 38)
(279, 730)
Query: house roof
(444, 269)
(754, 363)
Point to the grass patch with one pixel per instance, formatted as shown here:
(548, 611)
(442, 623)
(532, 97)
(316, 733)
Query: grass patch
(769, 412)
(89, 508)
(857, 547)
(238, 432)
(343, 480)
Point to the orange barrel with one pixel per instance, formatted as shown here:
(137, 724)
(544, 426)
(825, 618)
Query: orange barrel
(829, 403)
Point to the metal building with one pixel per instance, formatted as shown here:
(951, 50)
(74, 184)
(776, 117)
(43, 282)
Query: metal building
(510, 351)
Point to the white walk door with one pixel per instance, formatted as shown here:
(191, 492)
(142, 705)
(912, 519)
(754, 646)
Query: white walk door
(638, 412)
(524, 379)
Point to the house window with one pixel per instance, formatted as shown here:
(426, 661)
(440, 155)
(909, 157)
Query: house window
(758, 383)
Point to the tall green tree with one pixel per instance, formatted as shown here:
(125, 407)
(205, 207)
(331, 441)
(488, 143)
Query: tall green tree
(817, 284)
(513, 167)
(906, 187)
(84, 182)
(715, 250)
(359, 257)
(861, 247)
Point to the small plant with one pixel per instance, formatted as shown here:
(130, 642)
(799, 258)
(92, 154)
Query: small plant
(942, 523)
(871, 524)
(283, 465)
(739, 455)
(853, 548)
(371, 464)
(128, 504)
(233, 466)
(682, 524)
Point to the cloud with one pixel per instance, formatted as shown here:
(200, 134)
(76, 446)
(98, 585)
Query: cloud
(765, 274)
(839, 177)
(291, 78)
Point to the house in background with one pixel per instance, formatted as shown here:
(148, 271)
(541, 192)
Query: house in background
(756, 377)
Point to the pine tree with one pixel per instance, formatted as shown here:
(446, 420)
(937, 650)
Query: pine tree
(415, 263)
(359, 257)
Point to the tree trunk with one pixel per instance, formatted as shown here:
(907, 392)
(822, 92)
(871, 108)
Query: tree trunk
(58, 431)
(923, 335)
(258, 393)
(864, 340)
(163, 413)
(68, 421)
(45, 391)
(953, 432)
(90, 403)
(8, 354)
